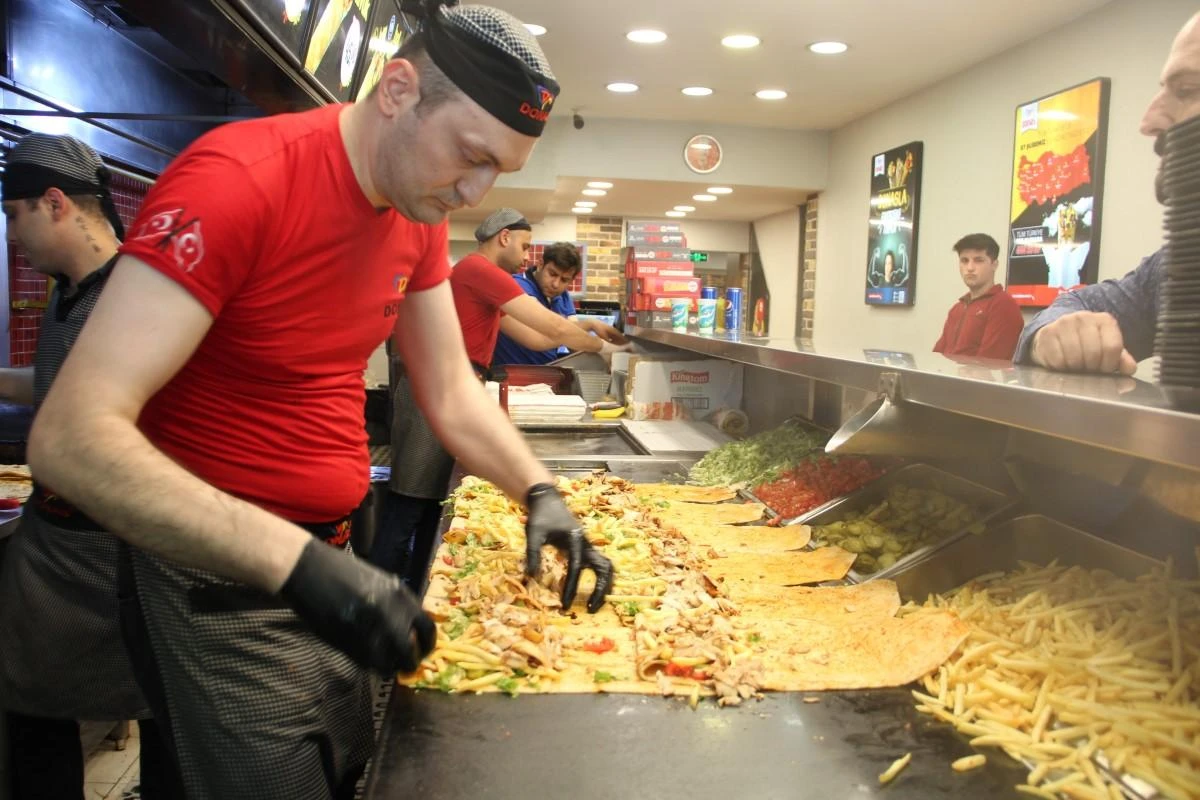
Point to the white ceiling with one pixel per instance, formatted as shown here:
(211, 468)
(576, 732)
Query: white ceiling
(897, 48)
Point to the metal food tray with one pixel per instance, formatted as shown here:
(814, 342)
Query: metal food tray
(1035, 539)
(990, 503)
(1031, 537)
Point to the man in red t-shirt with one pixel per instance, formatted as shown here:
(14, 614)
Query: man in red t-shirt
(985, 322)
(211, 412)
(484, 290)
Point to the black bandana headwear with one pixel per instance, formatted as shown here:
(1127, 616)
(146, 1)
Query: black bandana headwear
(43, 161)
(487, 71)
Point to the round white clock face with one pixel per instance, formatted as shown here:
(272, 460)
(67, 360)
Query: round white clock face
(702, 154)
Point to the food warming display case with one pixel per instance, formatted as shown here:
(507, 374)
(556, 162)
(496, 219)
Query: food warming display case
(1050, 449)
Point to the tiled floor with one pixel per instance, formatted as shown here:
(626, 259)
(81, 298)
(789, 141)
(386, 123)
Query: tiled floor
(110, 772)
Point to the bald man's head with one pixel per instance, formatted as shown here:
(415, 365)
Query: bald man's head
(1178, 97)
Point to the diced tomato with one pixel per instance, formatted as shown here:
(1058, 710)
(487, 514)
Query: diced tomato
(600, 646)
(448, 561)
(680, 671)
(453, 601)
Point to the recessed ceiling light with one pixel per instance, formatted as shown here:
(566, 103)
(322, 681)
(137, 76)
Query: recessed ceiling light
(719, 190)
(704, 198)
(770, 94)
(536, 30)
(828, 48)
(599, 185)
(685, 208)
(646, 36)
(586, 203)
(594, 192)
(741, 41)
(579, 210)
(697, 91)
(676, 214)
(622, 88)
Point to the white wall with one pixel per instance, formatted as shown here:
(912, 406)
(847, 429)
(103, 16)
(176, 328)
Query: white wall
(779, 247)
(966, 124)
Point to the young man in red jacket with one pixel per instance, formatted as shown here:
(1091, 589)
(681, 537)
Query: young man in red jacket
(985, 322)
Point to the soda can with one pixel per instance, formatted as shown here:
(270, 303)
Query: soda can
(708, 293)
(733, 309)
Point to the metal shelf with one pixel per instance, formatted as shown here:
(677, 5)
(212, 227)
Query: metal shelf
(1114, 413)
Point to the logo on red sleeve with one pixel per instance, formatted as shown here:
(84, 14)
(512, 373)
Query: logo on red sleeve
(171, 230)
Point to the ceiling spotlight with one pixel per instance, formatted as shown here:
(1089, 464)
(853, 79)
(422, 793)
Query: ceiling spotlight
(719, 190)
(828, 48)
(685, 208)
(704, 198)
(594, 192)
(599, 185)
(676, 214)
(536, 30)
(741, 41)
(646, 36)
(586, 203)
(622, 88)
(697, 91)
(581, 210)
(770, 94)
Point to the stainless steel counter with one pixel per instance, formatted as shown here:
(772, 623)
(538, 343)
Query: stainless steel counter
(1114, 413)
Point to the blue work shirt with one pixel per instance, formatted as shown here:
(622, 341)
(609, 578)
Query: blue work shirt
(510, 352)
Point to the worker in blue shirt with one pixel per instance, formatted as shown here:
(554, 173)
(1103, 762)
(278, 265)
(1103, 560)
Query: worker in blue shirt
(548, 284)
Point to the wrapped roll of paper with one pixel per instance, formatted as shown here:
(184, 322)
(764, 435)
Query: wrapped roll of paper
(730, 421)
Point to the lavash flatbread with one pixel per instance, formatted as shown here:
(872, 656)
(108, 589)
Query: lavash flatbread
(831, 604)
(728, 539)
(672, 492)
(744, 571)
(685, 515)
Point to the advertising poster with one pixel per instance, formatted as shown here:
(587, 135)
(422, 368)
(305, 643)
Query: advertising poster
(1057, 185)
(387, 33)
(286, 19)
(337, 39)
(892, 226)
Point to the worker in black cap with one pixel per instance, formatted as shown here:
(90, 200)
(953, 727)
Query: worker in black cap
(211, 413)
(484, 291)
(63, 659)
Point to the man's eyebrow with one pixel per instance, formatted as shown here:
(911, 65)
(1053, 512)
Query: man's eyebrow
(1182, 75)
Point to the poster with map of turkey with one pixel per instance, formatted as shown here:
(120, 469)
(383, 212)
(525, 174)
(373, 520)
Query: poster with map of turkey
(1057, 186)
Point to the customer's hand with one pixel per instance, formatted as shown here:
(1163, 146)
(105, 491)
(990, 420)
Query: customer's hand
(1086, 341)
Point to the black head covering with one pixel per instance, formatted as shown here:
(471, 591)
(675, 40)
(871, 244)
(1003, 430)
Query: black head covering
(42, 161)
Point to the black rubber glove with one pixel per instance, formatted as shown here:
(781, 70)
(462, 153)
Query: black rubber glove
(551, 522)
(361, 610)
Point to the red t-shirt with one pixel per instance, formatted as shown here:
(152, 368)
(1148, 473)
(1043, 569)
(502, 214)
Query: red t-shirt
(480, 288)
(264, 223)
(987, 327)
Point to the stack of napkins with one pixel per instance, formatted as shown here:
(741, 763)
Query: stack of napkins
(539, 403)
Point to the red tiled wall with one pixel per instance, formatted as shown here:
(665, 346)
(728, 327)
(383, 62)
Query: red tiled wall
(26, 284)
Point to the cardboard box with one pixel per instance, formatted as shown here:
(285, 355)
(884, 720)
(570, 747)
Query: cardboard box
(660, 389)
(638, 226)
(656, 239)
(658, 302)
(679, 255)
(664, 269)
(689, 287)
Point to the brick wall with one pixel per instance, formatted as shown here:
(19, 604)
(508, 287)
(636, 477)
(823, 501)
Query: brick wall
(808, 279)
(25, 286)
(606, 272)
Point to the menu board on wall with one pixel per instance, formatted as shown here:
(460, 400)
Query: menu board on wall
(892, 225)
(338, 36)
(286, 19)
(384, 39)
(1057, 186)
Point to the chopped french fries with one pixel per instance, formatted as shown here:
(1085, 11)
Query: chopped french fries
(895, 769)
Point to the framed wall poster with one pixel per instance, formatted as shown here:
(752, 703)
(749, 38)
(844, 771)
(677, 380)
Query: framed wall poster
(338, 36)
(1058, 182)
(386, 34)
(286, 19)
(892, 225)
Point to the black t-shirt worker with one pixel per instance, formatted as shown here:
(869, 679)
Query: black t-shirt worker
(247, 620)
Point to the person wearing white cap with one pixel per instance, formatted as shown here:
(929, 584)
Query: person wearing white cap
(211, 413)
(484, 291)
(63, 659)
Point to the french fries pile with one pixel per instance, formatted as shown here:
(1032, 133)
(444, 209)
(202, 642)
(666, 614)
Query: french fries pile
(1088, 678)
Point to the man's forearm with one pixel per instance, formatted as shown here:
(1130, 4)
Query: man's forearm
(16, 385)
(574, 336)
(478, 432)
(108, 468)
